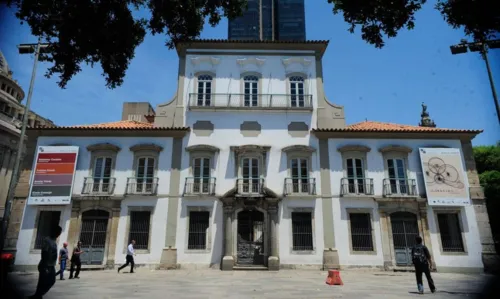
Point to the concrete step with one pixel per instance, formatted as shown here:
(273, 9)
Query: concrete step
(249, 268)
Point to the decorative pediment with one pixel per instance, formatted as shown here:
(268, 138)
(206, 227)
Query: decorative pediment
(250, 60)
(202, 148)
(103, 147)
(299, 60)
(201, 59)
(298, 148)
(354, 148)
(395, 148)
(250, 148)
(146, 147)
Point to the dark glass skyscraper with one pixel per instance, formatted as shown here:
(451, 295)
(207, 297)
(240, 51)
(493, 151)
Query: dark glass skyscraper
(270, 20)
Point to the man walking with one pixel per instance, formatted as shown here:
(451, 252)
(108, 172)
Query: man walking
(423, 262)
(130, 257)
(63, 258)
(75, 261)
(46, 267)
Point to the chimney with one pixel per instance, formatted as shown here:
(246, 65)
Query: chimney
(137, 111)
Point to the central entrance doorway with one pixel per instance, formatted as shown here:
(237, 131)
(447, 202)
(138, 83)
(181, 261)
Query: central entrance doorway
(93, 236)
(404, 232)
(250, 242)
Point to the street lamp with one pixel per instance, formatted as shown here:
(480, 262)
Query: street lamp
(482, 47)
(23, 49)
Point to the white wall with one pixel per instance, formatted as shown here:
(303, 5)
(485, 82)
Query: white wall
(216, 228)
(24, 254)
(472, 242)
(124, 160)
(375, 161)
(343, 234)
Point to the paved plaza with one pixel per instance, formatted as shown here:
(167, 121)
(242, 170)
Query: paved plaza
(250, 284)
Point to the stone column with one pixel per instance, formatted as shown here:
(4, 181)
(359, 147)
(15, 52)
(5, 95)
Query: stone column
(74, 228)
(386, 244)
(426, 234)
(228, 259)
(490, 259)
(273, 262)
(113, 234)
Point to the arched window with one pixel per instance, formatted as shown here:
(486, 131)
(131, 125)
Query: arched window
(204, 90)
(297, 98)
(251, 90)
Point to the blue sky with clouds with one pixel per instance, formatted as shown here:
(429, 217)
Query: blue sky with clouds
(386, 84)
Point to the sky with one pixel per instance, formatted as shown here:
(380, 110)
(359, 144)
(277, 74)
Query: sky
(386, 85)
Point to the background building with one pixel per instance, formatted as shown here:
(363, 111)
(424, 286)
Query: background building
(270, 20)
(244, 169)
(11, 115)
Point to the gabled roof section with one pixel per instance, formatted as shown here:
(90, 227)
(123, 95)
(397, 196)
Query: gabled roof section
(318, 46)
(375, 126)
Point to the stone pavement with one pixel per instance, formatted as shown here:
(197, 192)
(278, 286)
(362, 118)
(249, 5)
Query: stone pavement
(250, 284)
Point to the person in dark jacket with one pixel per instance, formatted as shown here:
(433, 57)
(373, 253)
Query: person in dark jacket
(47, 265)
(422, 261)
(75, 260)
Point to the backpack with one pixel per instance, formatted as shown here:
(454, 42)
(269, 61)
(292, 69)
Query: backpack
(418, 255)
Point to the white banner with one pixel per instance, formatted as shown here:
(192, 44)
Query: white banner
(445, 179)
(52, 175)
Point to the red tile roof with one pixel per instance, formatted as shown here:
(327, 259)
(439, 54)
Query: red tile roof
(117, 125)
(375, 126)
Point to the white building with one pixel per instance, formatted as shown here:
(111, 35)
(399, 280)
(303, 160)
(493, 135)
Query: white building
(250, 165)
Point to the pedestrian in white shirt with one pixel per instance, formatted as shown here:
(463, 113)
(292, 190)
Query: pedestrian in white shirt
(130, 257)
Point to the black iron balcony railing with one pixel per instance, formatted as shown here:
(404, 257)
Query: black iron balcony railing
(249, 101)
(356, 186)
(144, 185)
(199, 186)
(99, 186)
(250, 186)
(300, 186)
(400, 187)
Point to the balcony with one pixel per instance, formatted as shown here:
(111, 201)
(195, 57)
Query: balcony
(199, 186)
(250, 187)
(300, 186)
(400, 187)
(217, 101)
(142, 186)
(99, 186)
(356, 186)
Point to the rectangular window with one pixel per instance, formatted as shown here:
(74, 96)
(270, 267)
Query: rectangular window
(204, 90)
(201, 173)
(302, 231)
(451, 234)
(46, 221)
(355, 176)
(361, 232)
(102, 174)
(251, 84)
(198, 226)
(297, 91)
(251, 175)
(300, 175)
(139, 228)
(145, 174)
(397, 176)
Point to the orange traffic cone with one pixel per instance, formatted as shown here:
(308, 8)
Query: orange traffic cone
(334, 278)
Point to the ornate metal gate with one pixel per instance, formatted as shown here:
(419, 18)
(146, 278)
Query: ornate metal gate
(93, 236)
(250, 245)
(404, 231)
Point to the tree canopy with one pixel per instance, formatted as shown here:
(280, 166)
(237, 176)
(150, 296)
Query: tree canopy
(108, 32)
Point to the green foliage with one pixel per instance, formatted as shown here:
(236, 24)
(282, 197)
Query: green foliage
(108, 32)
(488, 166)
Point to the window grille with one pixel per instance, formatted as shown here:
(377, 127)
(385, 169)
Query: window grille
(451, 234)
(302, 231)
(46, 221)
(139, 228)
(361, 232)
(198, 226)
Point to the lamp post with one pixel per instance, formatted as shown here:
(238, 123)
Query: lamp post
(23, 49)
(482, 47)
